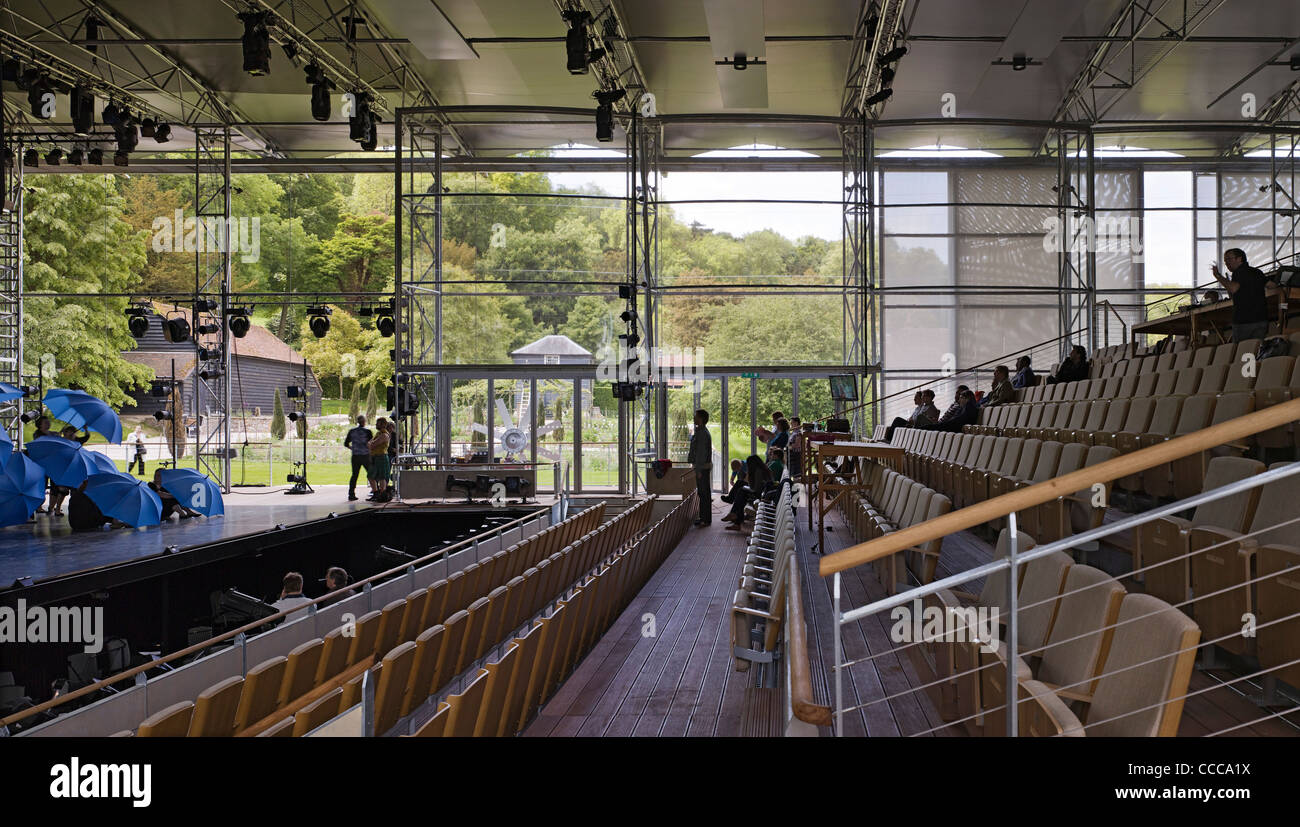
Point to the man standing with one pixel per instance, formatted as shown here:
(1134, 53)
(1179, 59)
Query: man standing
(137, 438)
(1249, 308)
(358, 439)
(700, 457)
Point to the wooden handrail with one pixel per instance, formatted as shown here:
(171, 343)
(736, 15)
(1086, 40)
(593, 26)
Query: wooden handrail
(293, 707)
(1030, 496)
(801, 694)
(248, 627)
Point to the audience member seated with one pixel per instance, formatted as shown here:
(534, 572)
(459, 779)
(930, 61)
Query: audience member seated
(1025, 376)
(291, 595)
(737, 481)
(1073, 369)
(758, 482)
(953, 410)
(335, 579)
(1002, 392)
(924, 415)
(967, 414)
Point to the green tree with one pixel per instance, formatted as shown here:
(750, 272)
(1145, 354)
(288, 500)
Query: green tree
(478, 437)
(354, 404)
(358, 258)
(278, 429)
(347, 348)
(76, 241)
(592, 322)
(372, 404)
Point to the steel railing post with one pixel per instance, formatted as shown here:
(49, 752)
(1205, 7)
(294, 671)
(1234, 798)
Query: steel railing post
(839, 651)
(1013, 688)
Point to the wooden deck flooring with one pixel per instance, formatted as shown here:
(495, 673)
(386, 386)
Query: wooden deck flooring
(680, 680)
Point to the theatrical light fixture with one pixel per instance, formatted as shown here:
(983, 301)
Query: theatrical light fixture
(207, 328)
(880, 97)
(207, 354)
(605, 112)
(372, 140)
(208, 374)
(891, 56)
(176, 329)
(110, 114)
(81, 103)
(1018, 63)
(54, 156)
(162, 416)
(295, 391)
(294, 416)
(361, 121)
(205, 305)
(384, 322)
(162, 132)
(30, 416)
(575, 40)
(239, 322)
(628, 316)
(1295, 62)
(886, 76)
(146, 127)
(256, 42)
(76, 157)
(95, 157)
(320, 92)
(319, 323)
(740, 61)
(31, 158)
(136, 321)
(40, 98)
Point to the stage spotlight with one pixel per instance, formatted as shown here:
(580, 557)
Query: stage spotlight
(632, 339)
(76, 157)
(319, 323)
(205, 305)
(256, 42)
(31, 416)
(137, 322)
(361, 120)
(886, 76)
(385, 325)
(239, 322)
(31, 158)
(294, 416)
(891, 56)
(82, 103)
(162, 416)
(176, 329)
(127, 137)
(208, 328)
(1295, 62)
(320, 92)
(40, 98)
(575, 40)
(1018, 63)
(740, 61)
(295, 391)
(372, 140)
(158, 388)
(207, 354)
(111, 114)
(605, 112)
(162, 132)
(54, 156)
(95, 157)
(628, 316)
(208, 374)
(146, 127)
(880, 97)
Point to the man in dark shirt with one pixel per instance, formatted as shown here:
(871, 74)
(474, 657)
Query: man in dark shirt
(700, 456)
(968, 414)
(358, 440)
(1073, 369)
(1249, 308)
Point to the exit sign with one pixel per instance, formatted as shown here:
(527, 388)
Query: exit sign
(749, 375)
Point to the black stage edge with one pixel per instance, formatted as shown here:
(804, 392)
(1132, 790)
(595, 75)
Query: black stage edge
(815, 777)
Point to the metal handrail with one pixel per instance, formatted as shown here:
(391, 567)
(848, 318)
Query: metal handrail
(1113, 312)
(1176, 448)
(257, 624)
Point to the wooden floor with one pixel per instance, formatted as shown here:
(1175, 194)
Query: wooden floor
(680, 680)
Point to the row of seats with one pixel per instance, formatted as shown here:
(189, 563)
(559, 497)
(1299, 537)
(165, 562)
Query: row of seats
(1180, 344)
(1091, 654)
(239, 702)
(500, 699)
(1234, 558)
(758, 606)
(968, 469)
(892, 502)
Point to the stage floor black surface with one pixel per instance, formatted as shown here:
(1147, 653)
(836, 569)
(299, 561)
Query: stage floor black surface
(48, 547)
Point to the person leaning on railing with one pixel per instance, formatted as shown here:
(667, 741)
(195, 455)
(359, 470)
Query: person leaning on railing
(1073, 369)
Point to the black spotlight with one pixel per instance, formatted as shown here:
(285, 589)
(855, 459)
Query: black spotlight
(95, 157)
(239, 323)
(1018, 63)
(176, 329)
(385, 325)
(320, 92)
(207, 354)
(111, 114)
(294, 391)
(1295, 62)
(575, 40)
(880, 97)
(628, 316)
(319, 321)
(146, 127)
(40, 98)
(137, 322)
(82, 103)
(891, 56)
(31, 416)
(605, 113)
(76, 157)
(205, 305)
(208, 328)
(208, 374)
(257, 43)
(361, 120)
(54, 157)
(372, 140)
(740, 61)
(162, 416)
(294, 416)
(31, 158)
(886, 76)
(162, 132)
(128, 137)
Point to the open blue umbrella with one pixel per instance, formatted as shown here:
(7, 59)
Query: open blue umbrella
(124, 498)
(193, 490)
(81, 410)
(66, 462)
(22, 489)
(9, 393)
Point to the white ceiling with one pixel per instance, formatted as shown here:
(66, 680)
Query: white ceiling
(952, 48)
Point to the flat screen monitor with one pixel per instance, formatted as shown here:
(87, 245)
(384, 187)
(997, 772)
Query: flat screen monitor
(844, 387)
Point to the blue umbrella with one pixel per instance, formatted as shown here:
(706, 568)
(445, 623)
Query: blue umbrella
(65, 462)
(22, 489)
(193, 490)
(124, 498)
(81, 410)
(9, 393)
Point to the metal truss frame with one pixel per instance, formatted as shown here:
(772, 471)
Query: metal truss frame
(212, 271)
